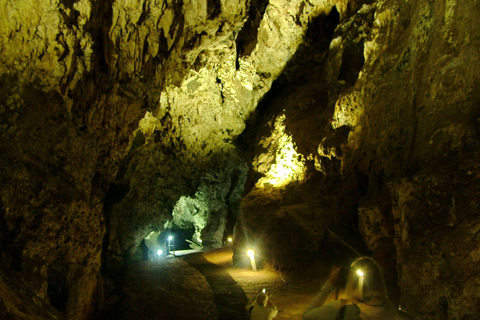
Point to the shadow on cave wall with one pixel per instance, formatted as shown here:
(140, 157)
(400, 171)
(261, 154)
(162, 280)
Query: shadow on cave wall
(116, 192)
(307, 97)
(247, 37)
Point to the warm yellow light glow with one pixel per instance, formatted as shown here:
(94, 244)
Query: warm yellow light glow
(251, 255)
(288, 165)
(360, 273)
(230, 239)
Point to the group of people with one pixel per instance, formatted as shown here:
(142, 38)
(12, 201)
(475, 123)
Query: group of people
(365, 298)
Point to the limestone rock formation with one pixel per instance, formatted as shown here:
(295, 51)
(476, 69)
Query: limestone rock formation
(387, 125)
(294, 119)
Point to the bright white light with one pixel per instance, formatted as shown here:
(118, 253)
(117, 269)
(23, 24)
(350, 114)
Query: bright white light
(230, 239)
(360, 281)
(159, 252)
(170, 238)
(264, 290)
(251, 255)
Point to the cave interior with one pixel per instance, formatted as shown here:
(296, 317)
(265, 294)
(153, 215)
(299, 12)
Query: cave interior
(315, 131)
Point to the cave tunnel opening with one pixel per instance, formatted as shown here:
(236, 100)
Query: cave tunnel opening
(157, 244)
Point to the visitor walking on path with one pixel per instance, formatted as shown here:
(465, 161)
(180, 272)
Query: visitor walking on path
(261, 308)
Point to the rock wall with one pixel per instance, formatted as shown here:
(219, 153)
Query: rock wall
(185, 150)
(70, 101)
(383, 120)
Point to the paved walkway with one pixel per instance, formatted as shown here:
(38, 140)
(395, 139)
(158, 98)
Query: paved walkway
(229, 296)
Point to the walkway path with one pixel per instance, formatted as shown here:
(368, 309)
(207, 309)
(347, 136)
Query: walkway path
(165, 289)
(229, 296)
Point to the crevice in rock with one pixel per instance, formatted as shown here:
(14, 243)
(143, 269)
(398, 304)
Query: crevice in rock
(57, 287)
(116, 192)
(231, 214)
(138, 141)
(68, 3)
(70, 20)
(214, 9)
(178, 24)
(352, 62)
(321, 28)
(144, 15)
(66, 50)
(247, 37)
(98, 26)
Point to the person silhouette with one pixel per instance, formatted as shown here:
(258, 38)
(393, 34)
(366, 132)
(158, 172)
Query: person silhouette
(261, 308)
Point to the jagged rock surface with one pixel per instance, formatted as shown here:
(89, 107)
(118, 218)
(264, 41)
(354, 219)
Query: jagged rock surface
(120, 117)
(390, 113)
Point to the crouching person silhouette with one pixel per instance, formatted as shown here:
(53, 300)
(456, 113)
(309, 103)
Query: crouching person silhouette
(365, 296)
(261, 308)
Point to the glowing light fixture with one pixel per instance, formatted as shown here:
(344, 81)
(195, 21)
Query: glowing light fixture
(251, 255)
(360, 281)
(159, 252)
(230, 239)
(170, 238)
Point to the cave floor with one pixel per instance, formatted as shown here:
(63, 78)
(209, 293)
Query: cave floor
(171, 289)
(291, 293)
(165, 289)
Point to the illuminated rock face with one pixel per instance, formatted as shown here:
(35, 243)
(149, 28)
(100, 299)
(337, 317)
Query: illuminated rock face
(119, 118)
(386, 118)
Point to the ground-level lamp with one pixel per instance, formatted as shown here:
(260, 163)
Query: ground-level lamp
(251, 255)
(361, 276)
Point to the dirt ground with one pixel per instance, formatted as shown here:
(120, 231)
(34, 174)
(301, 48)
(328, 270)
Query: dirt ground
(170, 289)
(290, 292)
(164, 289)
